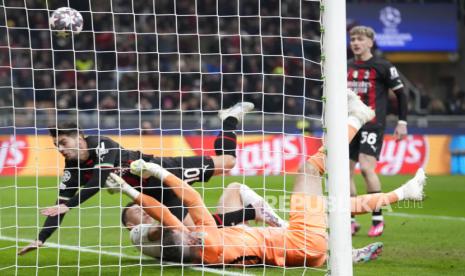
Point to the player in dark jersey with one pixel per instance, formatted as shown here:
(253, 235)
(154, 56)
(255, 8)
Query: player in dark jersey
(371, 78)
(89, 161)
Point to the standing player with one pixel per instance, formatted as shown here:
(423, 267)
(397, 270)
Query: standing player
(89, 161)
(371, 78)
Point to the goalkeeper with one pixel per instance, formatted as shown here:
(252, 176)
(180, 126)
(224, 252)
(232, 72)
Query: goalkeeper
(89, 160)
(303, 242)
(236, 197)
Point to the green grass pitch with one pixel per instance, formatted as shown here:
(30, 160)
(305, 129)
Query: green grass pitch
(420, 239)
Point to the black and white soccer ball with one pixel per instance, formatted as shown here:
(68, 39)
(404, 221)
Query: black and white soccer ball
(64, 21)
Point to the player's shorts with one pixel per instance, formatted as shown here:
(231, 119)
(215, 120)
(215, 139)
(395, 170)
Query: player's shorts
(369, 141)
(306, 237)
(191, 169)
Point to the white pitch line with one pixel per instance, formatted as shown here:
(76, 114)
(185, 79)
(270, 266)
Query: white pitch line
(406, 215)
(76, 248)
(122, 255)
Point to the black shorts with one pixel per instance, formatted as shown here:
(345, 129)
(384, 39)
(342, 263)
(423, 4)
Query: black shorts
(190, 169)
(369, 141)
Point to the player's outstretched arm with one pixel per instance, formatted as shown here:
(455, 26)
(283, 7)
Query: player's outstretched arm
(153, 207)
(189, 197)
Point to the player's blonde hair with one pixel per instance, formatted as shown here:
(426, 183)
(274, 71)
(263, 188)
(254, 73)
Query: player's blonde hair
(363, 30)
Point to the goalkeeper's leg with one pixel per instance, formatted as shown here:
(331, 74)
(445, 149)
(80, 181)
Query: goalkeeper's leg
(359, 114)
(411, 190)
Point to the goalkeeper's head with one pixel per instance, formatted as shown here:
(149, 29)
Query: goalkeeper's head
(133, 215)
(69, 140)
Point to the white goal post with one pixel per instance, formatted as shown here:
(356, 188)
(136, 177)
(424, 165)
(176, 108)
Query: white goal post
(142, 70)
(337, 159)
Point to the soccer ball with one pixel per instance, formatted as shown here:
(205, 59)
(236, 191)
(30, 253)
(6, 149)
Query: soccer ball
(66, 20)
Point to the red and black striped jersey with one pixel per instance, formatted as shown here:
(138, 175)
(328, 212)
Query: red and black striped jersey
(105, 155)
(371, 80)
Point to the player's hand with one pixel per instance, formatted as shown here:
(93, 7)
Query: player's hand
(115, 183)
(55, 210)
(141, 168)
(30, 247)
(400, 132)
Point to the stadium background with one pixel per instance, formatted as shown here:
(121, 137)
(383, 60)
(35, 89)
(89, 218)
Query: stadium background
(147, 80)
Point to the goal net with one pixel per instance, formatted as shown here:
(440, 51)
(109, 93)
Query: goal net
(152, 76)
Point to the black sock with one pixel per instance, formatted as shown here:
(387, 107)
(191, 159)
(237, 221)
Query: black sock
(226, 141)
(377, 215)
(230, 123)
(235, 217)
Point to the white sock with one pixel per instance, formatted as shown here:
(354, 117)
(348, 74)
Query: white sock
(248, 196)
(354, 122)
(400, 193)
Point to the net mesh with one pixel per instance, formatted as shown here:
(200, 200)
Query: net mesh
(152, 75)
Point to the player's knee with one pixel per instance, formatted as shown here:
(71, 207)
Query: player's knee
(234, 186)
(366, 169)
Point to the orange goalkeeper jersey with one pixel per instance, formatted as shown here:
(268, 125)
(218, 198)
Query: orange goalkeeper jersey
(303, 242)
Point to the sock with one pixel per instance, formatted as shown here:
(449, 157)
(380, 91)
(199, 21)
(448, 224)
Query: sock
(354, 122)
(400, 193)
(230, 123)
(377, 214)
(226, 141)
(235, 217)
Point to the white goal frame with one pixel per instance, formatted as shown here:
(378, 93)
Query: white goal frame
(335, 119)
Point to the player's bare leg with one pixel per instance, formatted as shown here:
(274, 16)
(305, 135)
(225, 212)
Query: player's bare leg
(223, 163)
(239, 196)
(230, 200)
(308, 180)
(367, 167)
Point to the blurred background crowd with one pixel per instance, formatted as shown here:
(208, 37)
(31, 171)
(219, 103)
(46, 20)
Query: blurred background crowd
(171, 56)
